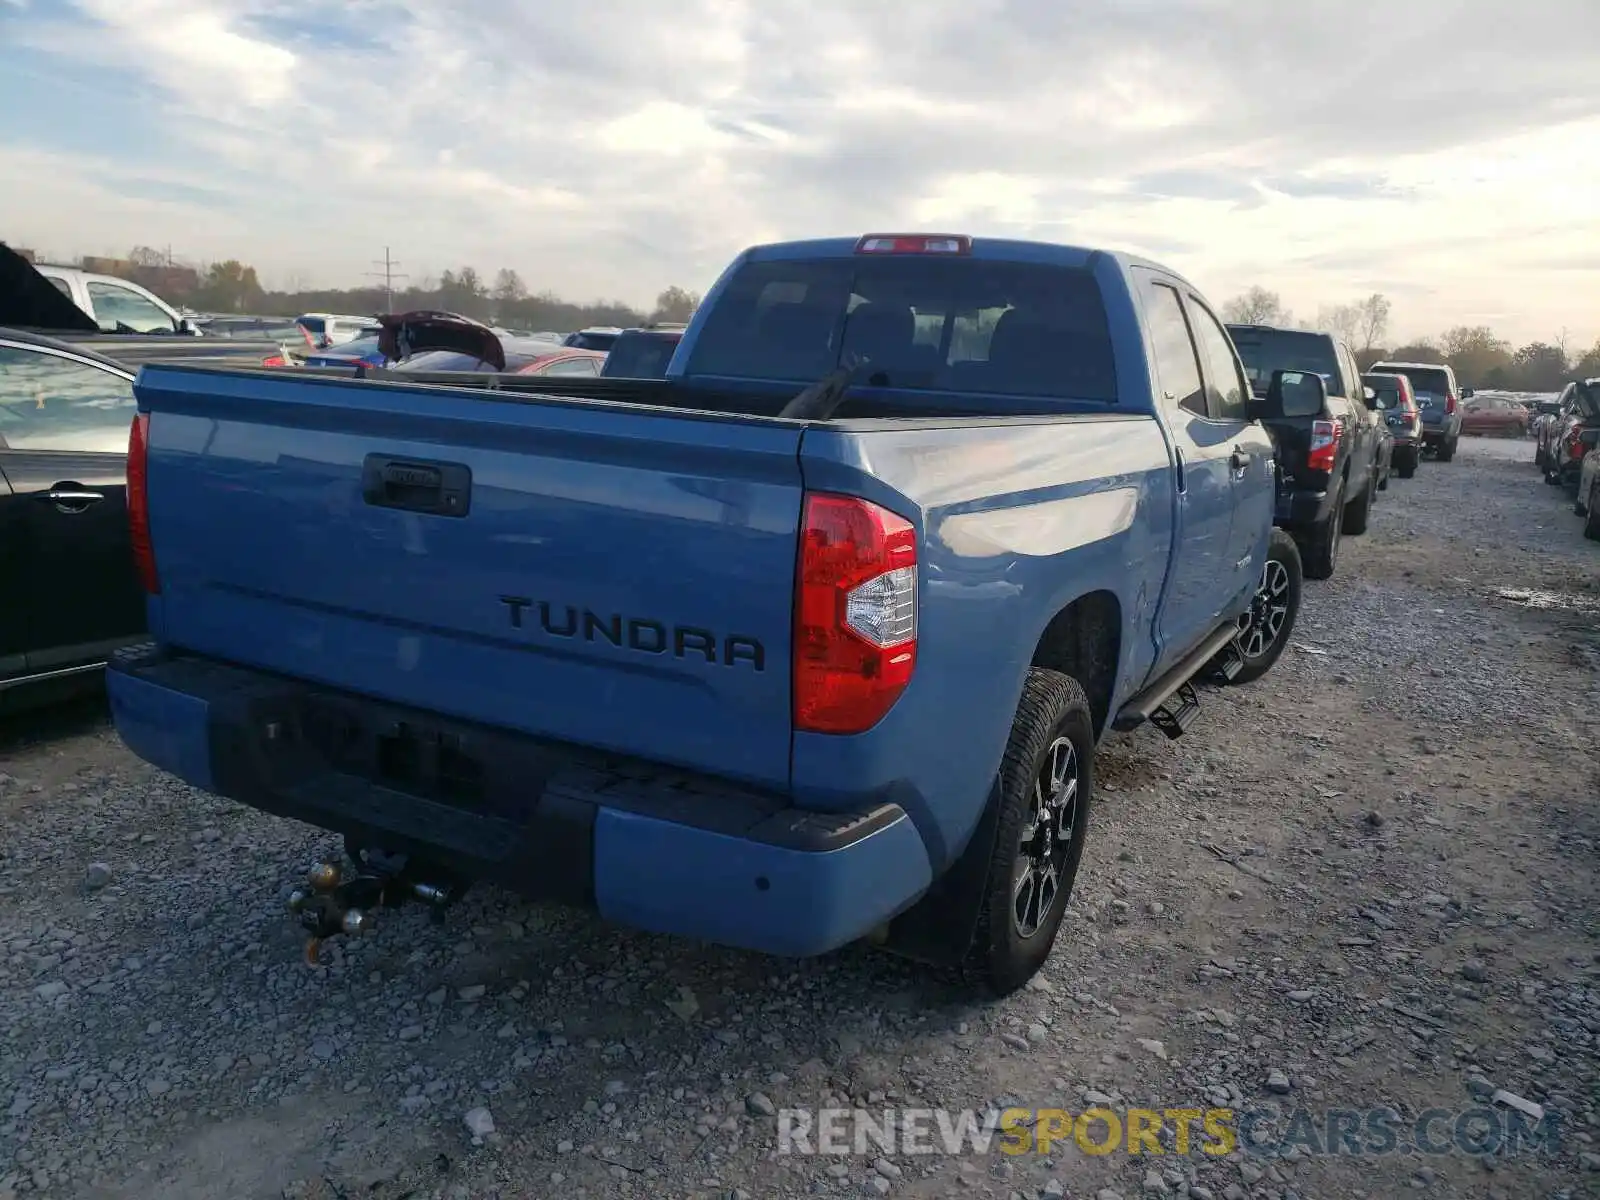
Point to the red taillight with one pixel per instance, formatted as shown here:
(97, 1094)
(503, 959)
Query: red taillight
(144, 556)
(274, 360)
(1575, 447)
(1325, 437)
(914, 243)
(1449, 403)
(855, 629)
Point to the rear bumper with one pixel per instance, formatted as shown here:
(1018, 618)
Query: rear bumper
(1302, 509)
(645, 846)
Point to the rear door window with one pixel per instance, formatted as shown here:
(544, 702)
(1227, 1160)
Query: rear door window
(1177, 362)
(963, 326)
(1225, 386)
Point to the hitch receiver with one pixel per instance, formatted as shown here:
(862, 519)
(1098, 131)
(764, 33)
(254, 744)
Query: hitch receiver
(339, 900)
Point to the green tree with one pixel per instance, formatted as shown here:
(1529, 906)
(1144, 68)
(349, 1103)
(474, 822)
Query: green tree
(1416, 352)
(1588, 367)
(1473, 351)
(1539, 367)
(675, 304)
(1257, 306)
(229, 286)
(508, 287)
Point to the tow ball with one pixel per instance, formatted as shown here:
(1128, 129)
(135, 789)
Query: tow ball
(341, 900)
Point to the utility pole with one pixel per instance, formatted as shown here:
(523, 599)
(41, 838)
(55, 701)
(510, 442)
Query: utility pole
(388, 275)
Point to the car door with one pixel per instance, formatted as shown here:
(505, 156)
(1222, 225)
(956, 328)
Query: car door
(1252, 471)
(1200, 581)
(63, 449)
(1363, 421)
(13, 570)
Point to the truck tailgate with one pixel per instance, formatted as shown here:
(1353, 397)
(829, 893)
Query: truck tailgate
(604, 575)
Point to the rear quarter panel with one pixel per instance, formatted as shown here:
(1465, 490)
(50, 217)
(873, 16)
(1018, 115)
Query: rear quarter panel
(1016, 521)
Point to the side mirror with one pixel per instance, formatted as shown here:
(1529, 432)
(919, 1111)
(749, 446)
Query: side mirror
(1468, 393)
(186, 328)
(1290, 394)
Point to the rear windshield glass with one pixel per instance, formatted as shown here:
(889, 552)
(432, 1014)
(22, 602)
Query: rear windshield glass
(1388, 390)
(1425, 381)
(1264, 351)
(592, 341)
(359, 348)
(640, 356)
(312, 324)
(962, 326)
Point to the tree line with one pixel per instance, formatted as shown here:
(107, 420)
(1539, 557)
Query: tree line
(1479, 356)
(234, 287)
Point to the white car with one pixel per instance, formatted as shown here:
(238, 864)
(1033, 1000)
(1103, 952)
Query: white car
(117, 305)
(1588, 502)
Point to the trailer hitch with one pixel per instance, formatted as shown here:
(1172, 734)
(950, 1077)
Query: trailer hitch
(344, 900)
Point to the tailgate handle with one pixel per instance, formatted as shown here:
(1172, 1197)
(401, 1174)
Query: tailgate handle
(416, 485)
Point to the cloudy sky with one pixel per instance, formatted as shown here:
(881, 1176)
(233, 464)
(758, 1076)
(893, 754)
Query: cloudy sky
(1445, 152)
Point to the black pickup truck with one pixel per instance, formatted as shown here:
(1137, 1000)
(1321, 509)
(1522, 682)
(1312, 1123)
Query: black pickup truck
(1330, 443)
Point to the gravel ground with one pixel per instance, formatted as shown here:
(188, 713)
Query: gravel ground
(1367, 881)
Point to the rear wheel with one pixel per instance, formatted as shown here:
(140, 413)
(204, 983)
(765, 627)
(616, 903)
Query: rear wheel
(1447, 450)
(1408, 464)
(1591, 522)
(1046, 783)
(1321, 552)
(1359, 509)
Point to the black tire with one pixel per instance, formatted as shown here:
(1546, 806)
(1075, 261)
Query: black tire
(1408, 464)
(1538, 459)
(1357, 512)
(1320, 554)
(1553, 478)
(1009, 948)
(1383, 482)
(1265, 630)
(1591, 523)
(1447, 450)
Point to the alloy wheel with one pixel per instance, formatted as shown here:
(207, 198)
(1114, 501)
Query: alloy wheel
(1046, 838)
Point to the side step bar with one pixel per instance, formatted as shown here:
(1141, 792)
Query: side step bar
(1171, 702)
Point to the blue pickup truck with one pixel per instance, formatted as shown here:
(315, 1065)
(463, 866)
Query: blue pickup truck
(811, 641)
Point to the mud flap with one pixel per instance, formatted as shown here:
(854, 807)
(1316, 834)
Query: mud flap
(939, 928)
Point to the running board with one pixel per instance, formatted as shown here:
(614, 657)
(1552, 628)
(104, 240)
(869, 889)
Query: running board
(1144, 706)
(1181, 708)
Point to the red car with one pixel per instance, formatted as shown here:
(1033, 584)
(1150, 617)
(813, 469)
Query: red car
(1494, 415)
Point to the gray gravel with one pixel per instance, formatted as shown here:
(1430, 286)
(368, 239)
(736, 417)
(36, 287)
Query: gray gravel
(1368, 880)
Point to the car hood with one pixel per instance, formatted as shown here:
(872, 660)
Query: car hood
(405, 334)
(29, 300)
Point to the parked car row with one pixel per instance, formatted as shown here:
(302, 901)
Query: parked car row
(1567, 449)
(1343, 433)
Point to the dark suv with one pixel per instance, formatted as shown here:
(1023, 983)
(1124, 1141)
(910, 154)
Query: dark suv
(1332, 462)
(1439, 399)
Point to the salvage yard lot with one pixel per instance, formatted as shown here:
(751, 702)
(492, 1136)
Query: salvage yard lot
(1370, 878)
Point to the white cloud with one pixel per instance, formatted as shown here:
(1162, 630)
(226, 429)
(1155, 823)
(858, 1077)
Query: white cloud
(639, 144)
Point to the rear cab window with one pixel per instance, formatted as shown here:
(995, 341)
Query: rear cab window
(968, 327)
(1264, 351)
(1388, 391)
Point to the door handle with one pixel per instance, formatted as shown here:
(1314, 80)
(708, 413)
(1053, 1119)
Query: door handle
(72, 496)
